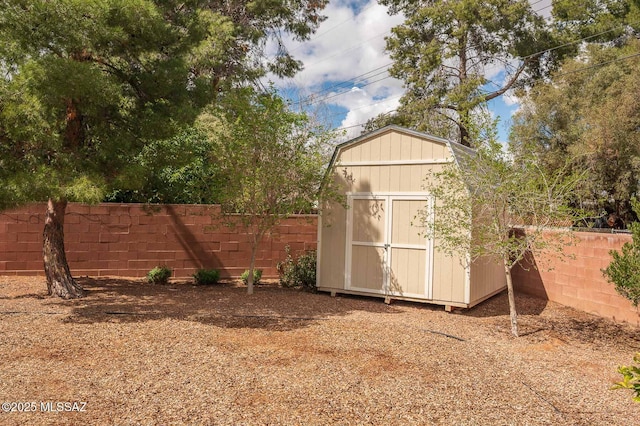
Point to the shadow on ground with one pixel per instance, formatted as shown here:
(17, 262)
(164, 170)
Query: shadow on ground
(498, 305)
(223, 305)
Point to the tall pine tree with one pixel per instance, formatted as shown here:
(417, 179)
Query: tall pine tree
(445, 49)
(85, 84)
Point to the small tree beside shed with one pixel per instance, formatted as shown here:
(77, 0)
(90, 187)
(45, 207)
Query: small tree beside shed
(485, 200)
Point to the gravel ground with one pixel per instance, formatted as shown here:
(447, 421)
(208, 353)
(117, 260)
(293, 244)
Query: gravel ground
(131, 353)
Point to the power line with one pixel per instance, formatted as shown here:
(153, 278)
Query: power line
(599, 64)
(335, 95)
(586, 68)
(578, 41)
(365, 106)
(362, 76)
(542, 8)
(362, 124)
(339, 85)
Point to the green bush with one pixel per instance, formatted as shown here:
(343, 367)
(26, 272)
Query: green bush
(624, 269)
(300, 272)
(257, 275)
(159, 275)
(631, 378)
(206, 276)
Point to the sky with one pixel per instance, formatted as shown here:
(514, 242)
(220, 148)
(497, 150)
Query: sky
(345, 79)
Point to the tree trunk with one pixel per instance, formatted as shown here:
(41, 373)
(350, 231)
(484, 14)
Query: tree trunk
(512, 302)
(464, 135)
(59, 280)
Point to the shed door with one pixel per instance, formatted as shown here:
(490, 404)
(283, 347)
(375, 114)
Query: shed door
(386, 253)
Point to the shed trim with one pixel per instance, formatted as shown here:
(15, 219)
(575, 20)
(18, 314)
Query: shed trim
(395, 162)
(319, 252)
(427, 246)
(456, 149)
(467, 279)
(388, 193)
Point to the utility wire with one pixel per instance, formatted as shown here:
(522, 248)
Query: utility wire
(310, 98)
(599, 64)
(337, 85)
(340, 84)
(364, 106)
(586, 68)
(361, 124)
(578, 41)
(543, 8)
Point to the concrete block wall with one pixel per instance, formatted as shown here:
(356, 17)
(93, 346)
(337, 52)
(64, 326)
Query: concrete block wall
(130, 239)
(578, 282)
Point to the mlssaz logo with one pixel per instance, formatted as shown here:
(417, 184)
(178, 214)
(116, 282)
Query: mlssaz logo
(51, 406)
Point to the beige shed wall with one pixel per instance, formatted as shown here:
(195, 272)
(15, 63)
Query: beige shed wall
(449, 277)
(393, 146)
(389, 178)
(488, 277)
(331, 248)
(449, 280)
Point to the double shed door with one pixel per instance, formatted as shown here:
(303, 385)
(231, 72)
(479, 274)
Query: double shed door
(387, 252)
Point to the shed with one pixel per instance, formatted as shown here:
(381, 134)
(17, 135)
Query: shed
(374, 246)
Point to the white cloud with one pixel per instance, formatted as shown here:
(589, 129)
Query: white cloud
(347, 55)
(349, 48)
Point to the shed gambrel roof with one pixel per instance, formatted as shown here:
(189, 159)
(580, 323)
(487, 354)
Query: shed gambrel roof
(458, 151)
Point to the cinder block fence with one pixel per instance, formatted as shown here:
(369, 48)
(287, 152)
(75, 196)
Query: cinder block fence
(130, 239)
(578, 281)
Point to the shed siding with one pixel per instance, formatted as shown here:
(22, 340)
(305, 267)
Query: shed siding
(393, 146)
(392, 162)
(403, 264)
(389, 178)
(488, 277)
(332, 247)
(449, 275)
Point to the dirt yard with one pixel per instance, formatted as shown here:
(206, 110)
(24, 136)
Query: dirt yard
(132, 353)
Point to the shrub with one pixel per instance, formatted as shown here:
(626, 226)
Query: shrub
(300, 272)
(159, 275)
(631, 378)
(257, 275)
(624, 269)
(206, 276)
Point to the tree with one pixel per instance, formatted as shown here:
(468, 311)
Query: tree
(589, 112)
(630, 378)
(480, 202)
(177, 170)
(272, 159)
(445, 49)
(598, 21)
(382, 120)
(624, 269)
(86, 84)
